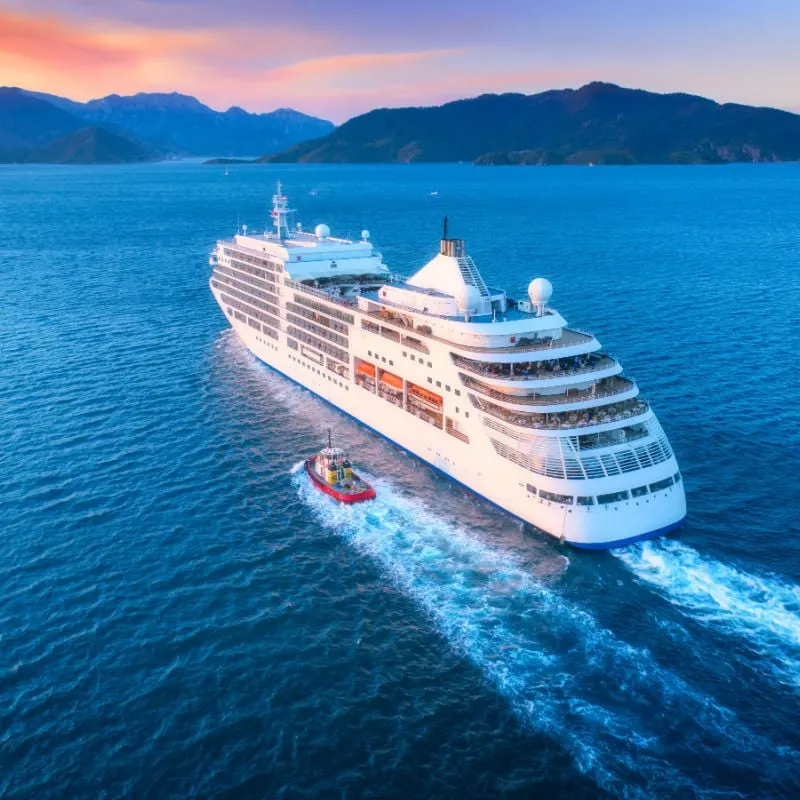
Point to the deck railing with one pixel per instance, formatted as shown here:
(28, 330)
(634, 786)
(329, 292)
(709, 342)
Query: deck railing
(502, 372)
(611, 388)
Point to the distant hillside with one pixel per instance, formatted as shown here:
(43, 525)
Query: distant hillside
(178, 124)
(600, 123)
(26, 121)
(90, 146)
(33, 130)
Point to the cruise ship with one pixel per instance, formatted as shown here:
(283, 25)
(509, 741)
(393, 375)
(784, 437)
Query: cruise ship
(497, 393)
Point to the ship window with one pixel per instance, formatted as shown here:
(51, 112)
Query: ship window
(564, 499)
(430, 380)
(456, 409)
(659, 485)
(447, 387)
(391, 363)
(584, 501)
(458, 392)
(614, 497)
(466, 413)
(531, 489)
(439, 384)
(639, 491)
(677, 477)
(405, 355)
(369, 352)
(413, 358)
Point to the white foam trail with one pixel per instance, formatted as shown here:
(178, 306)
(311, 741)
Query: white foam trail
(760, 608)
(598, 697)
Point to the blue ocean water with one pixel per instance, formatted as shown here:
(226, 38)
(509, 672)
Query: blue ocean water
(181, 616)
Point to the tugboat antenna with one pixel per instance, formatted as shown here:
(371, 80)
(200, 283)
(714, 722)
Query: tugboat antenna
(329, 438)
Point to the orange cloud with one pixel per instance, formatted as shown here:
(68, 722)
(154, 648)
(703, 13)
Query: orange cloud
(254, 68)
(50, 42)
(338, 65)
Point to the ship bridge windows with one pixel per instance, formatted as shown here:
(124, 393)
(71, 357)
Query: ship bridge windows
(584, 501)
(639, 491)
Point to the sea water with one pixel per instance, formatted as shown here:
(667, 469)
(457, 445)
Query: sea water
(180, 614)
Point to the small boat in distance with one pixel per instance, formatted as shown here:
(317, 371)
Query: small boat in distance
(331, 472)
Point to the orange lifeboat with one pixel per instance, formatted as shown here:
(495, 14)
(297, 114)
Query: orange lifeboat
(365, 368)
(424, 395)
(392, 380)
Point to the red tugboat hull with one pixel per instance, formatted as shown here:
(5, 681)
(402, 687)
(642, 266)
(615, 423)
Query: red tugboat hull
(343, 496)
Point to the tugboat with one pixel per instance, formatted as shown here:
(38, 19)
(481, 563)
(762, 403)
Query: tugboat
(331, 472)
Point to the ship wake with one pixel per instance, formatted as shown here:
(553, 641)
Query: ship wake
(562, 673)
(761, 609)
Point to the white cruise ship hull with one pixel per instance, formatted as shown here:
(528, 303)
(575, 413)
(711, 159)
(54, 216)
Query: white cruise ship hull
(475, 464)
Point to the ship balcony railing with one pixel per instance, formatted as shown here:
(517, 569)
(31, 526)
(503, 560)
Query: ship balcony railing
(302, 287)
(570, 337)
(545, 370)
(604, 388)
(391, 333)
(594, 441)
(566, 420)
(524, 344)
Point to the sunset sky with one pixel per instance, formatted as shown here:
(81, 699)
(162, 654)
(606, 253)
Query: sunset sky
(339, 58)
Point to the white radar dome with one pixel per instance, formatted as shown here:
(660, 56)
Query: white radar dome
(540, 290)
(467, 299)
(322, 231)
(365, 234)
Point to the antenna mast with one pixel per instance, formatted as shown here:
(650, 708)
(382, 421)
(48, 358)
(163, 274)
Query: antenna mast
(280, 213)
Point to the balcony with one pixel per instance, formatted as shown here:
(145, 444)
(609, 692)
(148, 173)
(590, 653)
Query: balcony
(565, 420)
(393, 335)
(546, 370)
(568, 338)
(604, 388)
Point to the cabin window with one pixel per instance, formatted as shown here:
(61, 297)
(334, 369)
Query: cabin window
(614, 497)
(531, 489)
(466, 413)
(564, 499)
(413, 358)
(458, 392)
(456, 409)
(439, 384)
(584, 501)
(430, 381)
(447, 387)
(639, 491)
(405, 355)
(659, 485)
(369, 352)
(676, 477)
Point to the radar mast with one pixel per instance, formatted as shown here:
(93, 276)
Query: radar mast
(280, 213)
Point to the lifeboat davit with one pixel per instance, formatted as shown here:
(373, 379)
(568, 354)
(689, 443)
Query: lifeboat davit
(332, 472)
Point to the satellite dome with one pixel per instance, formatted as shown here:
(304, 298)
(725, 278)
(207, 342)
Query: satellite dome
(540, 290)
(467, 299)
(365, 234)
(322, 231)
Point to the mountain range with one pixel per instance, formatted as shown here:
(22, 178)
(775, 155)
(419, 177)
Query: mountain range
(599, 123)
(37, 127)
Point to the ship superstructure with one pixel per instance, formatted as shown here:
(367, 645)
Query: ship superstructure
(496, 393)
